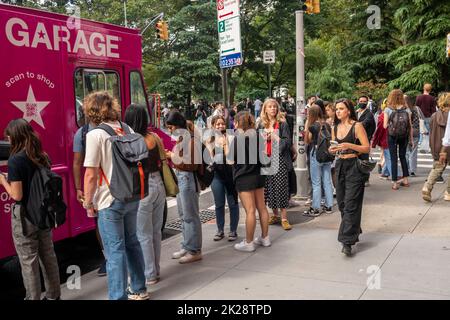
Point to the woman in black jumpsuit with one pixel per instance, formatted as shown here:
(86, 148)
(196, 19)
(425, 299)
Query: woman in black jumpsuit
(352, 144)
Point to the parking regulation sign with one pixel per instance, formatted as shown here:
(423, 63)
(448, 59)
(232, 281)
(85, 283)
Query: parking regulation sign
(229, 29)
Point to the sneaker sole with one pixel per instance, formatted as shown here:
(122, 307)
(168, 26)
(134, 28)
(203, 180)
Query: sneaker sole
(426, 197)
(245, 250)
(189, 261)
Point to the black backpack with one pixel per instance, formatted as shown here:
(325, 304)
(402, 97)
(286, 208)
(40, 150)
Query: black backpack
(399, 123)
(45, 206)
(205, 173)
(129, 180)
(323, 144)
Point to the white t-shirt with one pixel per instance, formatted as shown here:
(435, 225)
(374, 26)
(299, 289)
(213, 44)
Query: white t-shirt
(446, 139)
(99, 155)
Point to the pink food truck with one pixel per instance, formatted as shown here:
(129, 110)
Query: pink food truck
(48, 64)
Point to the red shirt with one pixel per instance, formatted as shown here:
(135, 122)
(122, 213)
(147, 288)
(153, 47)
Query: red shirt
(426, 103)
(381, 134)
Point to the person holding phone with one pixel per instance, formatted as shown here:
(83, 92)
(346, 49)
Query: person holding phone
(33, 245)
(320, 172)
(352, 143)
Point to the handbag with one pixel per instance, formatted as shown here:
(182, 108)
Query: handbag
(365, 166)
(167, 174)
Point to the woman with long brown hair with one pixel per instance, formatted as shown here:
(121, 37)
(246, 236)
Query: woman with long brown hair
(276, 133)
(248, 181)
(222, 185)
(352, 143)
(320, 172)
(397, 119)
(33, 245)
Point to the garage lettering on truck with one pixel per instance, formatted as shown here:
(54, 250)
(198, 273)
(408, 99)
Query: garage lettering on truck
(20, 34)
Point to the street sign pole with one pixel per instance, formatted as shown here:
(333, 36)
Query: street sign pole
(269, 58)
(225, 87)
(229, 29)
(301, 170)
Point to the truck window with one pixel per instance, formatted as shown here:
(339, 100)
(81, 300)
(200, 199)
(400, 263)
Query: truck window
(88, 81)
(137, 92)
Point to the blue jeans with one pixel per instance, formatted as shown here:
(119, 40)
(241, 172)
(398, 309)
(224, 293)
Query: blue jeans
(387, 163)
(117, 225)
(149, 223)
(188, 210)
(257, 113)
(320, 172)
(219, 191)
(411, 155)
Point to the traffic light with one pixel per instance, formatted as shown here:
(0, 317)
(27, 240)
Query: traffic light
(162, 30)
(305, 5)
(316, 6)
(310, 6)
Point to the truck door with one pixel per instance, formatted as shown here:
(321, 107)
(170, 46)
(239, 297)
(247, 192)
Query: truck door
(87, 81)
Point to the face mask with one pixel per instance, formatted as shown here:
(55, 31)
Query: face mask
(362, 105)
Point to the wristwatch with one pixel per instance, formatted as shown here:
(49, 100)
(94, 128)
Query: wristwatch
(88, 206)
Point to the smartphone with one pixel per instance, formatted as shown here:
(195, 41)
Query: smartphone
(334, 143)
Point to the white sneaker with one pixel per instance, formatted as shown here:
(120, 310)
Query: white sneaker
(293, 203)
(244, 246)
(179, 254)
(260, 241)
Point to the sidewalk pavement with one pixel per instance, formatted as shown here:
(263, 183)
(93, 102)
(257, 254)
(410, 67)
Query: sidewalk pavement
(404, 253)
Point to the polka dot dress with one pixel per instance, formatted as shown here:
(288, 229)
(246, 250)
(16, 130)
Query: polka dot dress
(276, 191)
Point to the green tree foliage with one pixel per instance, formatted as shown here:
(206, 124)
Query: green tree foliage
(423, 25)
(189, 68)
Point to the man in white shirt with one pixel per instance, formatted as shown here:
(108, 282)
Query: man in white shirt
(116, 219)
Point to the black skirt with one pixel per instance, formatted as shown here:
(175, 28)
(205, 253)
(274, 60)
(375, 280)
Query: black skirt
(250, 182)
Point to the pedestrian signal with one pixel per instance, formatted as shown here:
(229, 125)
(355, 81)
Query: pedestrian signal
(162, 30)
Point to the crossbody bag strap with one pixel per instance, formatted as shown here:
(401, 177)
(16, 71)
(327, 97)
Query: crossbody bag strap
(162, 155)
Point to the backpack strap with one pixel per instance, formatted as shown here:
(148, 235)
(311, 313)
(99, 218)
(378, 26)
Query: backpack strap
(353, 132)
(108, 129)
(84, 132)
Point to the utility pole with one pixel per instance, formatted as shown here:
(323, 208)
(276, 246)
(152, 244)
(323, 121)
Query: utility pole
(270, 81)
(301, 169)
(125, 12)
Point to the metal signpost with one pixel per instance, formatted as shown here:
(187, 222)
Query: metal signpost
(301, 169)
(269, 59)
(229, 27)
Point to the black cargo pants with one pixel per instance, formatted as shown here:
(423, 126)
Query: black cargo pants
(350, 195)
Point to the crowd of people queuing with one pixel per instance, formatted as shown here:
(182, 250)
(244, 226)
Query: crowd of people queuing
(338, 135)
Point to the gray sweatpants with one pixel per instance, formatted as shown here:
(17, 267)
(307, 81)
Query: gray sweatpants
(35, 246)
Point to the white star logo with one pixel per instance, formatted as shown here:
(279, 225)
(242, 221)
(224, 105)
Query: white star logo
(31, 108)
